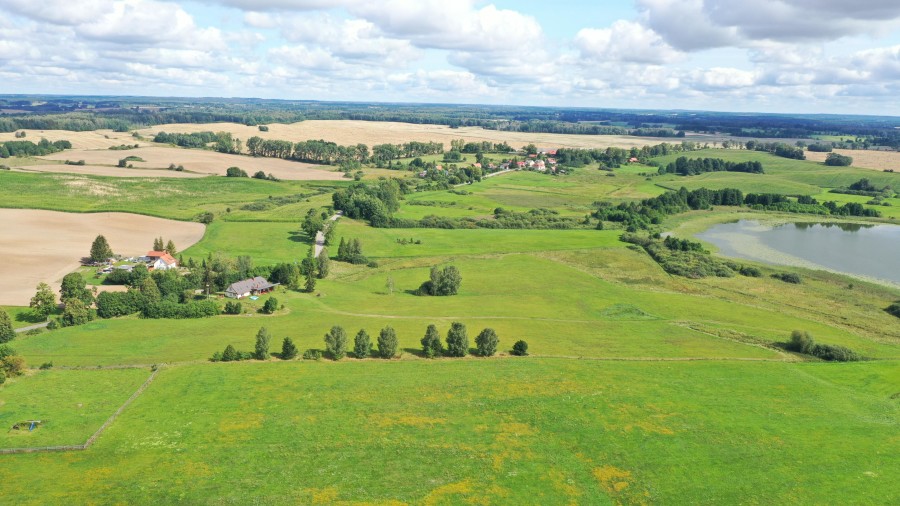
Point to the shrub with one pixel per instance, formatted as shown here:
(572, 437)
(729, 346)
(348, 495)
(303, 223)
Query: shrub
(520, 349)
(233, 308)
(114, 304)
(387, 342)
(457, 340)
(486, 342)
(749, 271)
(53, 324)
(894, 309)
(288, 349)
(235, 172)
(803, 342)
(336, 342)
(174, 310)
(836, 160)
(788, 277)
(230, 354)
(362, 344)
(46, 365)
(2, 377)
(312, 354)
(431, 343)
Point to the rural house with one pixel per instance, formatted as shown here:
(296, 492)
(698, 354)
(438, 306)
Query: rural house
(248, 287)
(160, 261)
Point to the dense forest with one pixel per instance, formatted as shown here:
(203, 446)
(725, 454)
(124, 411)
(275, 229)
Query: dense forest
(82, 113)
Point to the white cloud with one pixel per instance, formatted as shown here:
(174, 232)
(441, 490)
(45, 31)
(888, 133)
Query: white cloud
(625, 41)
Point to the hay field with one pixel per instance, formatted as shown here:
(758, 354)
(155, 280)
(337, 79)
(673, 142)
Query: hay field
(381, 132)
(46, 245)
(96, 139)
(864, 158)
(199, 161)
(103, 170)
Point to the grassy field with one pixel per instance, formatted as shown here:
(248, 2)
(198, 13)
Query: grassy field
(500, 431)
(641, 387)
(71, 404)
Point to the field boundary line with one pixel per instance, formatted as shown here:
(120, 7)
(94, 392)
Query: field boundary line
(90, 441)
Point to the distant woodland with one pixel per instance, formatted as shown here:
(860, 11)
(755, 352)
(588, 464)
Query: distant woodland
(79, 113)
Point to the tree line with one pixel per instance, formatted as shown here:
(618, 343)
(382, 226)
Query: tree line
(688, 167)
(28, 148)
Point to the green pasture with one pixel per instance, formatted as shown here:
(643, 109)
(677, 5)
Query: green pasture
(505, 431)
(266, 242)
(71, 404)
(560, 306)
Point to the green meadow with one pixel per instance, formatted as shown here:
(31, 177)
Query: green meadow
(506, 431)
(640, 388)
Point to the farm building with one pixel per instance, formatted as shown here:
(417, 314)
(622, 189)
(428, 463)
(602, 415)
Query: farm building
(160, 260)
(248, 287)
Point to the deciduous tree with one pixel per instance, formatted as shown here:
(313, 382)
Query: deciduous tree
(486, 343)
(44, 302)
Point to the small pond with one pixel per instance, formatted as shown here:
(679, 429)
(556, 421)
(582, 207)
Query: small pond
(867, 251)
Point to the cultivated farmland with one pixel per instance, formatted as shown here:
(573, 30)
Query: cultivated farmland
(45, 245)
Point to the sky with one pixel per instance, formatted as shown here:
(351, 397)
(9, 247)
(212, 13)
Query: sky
(797, 56)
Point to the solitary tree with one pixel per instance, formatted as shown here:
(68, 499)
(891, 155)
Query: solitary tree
(336, 342)
(288, 349)
(457, 340)
(261, 351)
(44, 302)
(486, 342)
(170, 248)
(100, 250)
(362, 344)
(431, 343)
(7, 333)
(387, 342)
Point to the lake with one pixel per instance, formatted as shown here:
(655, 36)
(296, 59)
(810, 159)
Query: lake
(866, 251)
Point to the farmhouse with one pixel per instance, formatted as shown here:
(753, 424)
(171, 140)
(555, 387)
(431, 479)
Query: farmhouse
(247, 287)
(161, 261)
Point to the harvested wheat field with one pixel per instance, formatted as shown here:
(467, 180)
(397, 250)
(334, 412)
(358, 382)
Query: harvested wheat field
(864, 158)
(381, 132)
(103, 170)
(199, 161)
(96, 139)
(46, 245)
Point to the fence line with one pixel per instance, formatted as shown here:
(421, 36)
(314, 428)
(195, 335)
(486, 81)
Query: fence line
(87, 444)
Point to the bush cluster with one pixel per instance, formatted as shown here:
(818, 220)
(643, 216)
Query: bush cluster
(803, 342)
